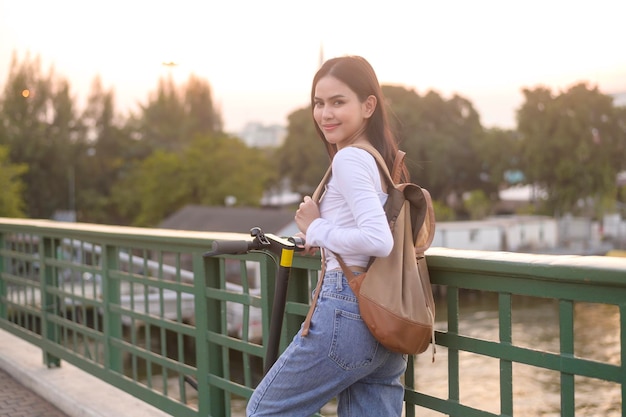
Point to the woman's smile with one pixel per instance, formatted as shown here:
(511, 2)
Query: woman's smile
(330, 127)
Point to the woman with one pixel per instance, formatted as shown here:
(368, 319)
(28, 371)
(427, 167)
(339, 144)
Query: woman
(336, 355)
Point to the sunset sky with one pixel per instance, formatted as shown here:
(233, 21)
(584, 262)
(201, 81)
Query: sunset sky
(260, 56)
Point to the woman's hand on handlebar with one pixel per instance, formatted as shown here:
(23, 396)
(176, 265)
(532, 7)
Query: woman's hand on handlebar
(308, 249)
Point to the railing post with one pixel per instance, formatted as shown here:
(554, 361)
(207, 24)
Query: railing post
(622, 340)
(111, 319)
(409, 381)
(453, 353)
(566, 331)
(209, 356)
(48, 278)
(506, 365)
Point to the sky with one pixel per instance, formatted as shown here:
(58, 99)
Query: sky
(260, 56)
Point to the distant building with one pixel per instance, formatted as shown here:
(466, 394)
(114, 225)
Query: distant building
(508, 233)
(64, 216)
(530, 234)
(258, 135)
(282, 199)
(518, 196)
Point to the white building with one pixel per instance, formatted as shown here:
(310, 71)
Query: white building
(258, 135)
(514, 234)
(531, 234)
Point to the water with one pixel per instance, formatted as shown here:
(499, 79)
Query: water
(536, 391)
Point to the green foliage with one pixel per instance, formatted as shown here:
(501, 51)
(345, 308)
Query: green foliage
(477, 205)
(174, 115)
(440, 138)
(11, 201)
(620, 132)
(104, 159)
(571, 145)
(498, 152)
(208, 171)
(530, 209)
(39, 125)
(605, 204)
(75, 160)
(443, 212)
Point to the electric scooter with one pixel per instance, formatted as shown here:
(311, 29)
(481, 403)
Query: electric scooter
(284, 249)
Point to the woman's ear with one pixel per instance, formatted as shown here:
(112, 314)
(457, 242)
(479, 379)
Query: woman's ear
(369, 105)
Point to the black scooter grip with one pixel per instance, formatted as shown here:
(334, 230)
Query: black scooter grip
(229, 247)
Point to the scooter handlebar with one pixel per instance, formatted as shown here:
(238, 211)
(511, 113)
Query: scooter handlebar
(260, 241)
(229, 247)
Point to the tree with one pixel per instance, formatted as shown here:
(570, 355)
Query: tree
(620, 149)
(440, 138)
(202, 116)
(174, 115)
(499, 155)
(477, 205)
(104, 156)
(11, 201)
(211, 170)
(39, 127)
(570, 145)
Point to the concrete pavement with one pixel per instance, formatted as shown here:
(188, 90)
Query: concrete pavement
(29, 389)
(18, 401)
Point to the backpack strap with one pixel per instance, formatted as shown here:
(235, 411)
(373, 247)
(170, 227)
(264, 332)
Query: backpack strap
(396, 172)
(319, 191)
(426, 233)
(381, 162)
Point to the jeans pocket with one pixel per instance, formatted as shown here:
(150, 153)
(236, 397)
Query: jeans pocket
(353, 346)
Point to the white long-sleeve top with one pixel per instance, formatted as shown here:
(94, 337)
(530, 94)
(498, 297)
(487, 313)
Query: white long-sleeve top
(353, 222)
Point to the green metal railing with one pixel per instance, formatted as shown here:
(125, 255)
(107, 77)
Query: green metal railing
(143, 310)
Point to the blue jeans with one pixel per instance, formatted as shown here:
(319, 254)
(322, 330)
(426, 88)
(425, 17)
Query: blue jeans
(338, 358)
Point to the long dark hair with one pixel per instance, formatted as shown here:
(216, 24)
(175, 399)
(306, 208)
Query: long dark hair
(359, 76)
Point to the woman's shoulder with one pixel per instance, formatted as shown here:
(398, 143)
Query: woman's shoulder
(352, 158)
(354, 154)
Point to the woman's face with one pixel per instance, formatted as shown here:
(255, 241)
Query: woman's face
(338, 111)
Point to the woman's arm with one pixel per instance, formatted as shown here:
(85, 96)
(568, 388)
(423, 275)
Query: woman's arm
(357, 179)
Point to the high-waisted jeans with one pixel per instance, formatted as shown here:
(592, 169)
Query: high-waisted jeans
(338, 358)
